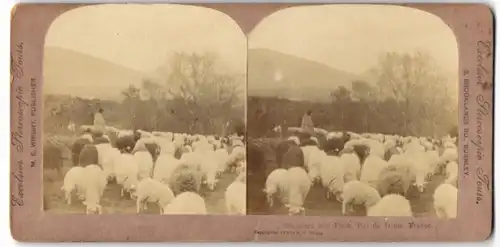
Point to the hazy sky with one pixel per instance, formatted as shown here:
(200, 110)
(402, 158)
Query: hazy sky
(351, 37)
(142, 36)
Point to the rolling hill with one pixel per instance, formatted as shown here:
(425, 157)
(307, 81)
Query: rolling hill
(78, 74)
(272, 73)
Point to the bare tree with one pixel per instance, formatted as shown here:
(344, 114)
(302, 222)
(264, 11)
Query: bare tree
(341, 95)
(209, 96)
(132, 98)
(367, 95)
(413, 81)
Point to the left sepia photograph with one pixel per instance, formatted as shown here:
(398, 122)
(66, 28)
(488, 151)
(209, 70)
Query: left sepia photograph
(144, 111)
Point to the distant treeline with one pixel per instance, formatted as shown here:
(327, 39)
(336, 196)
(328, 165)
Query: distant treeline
(165, 115)
(349, 115)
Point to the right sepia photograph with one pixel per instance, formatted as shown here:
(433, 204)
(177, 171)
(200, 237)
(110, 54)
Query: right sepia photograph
(352, 111)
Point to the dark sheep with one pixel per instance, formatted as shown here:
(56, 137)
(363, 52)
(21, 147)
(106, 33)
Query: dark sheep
(126, 143)
(390, 152)
(294, 157)
(394, 180)
(281, 149)
(77, 149)
(362, 152)
(88, 156)
(153, 149)
(185, 179)
(52, 157)
(261, 161)
(334, 145)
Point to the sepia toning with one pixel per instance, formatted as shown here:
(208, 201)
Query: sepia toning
(144, 111)
(352, 112)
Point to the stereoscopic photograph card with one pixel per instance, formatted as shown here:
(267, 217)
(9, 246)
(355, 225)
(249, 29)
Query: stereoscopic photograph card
(251, 122)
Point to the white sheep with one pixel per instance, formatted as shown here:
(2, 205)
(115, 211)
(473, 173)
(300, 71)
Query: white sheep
(209, 168)
(445, 201)
(152, 191)
(237, 154)
(372, 167)
(73, 183)
(449, 154)
(186, 203)
(107, 156)
(222, 157)
(352, 166)
(332, 176)
(451, 173)
(236, 198)
(391, 205)
(297, 187)
(275, 184)
(164, 168)
(313, 157)
(127, 171)
(94, 182)
(145, 162)
(358, 193)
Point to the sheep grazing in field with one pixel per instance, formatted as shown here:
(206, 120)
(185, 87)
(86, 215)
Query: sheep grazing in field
(449, 154)
(352, 166)
(77, 147)
(275, 184)
(145, 162)
(89, 155)
(297, 187)
(152, 191)
(209, 168)
(94, 183)
(186, 179)
(73, 182)
(395, 179)
(445, 201)
(237, 154)
(371, 170)
(283, 147)
(391, 205)
(222, 157)
(165, 167)
(186, 203)
(313, 157)
(356, 193)
(331, 174)
(452, 173)
(236, 197)
(293, 157)
(126, 171)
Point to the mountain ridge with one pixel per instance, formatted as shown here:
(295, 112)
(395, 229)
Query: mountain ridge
(272, 73)
(90, 76)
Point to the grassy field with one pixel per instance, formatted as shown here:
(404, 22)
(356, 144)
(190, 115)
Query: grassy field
(316, 203)
(112, 202)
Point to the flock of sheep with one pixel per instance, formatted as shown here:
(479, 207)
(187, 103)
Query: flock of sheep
(368, 174)
(365, 174)
(167, 169)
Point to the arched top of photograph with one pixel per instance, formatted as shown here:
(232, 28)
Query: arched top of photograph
(353, 110)
(134, 42)
(144, 111)
(344, 42)
(122, 52)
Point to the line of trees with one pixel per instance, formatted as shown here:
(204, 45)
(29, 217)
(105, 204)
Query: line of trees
(409, 96)
(193, 97)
